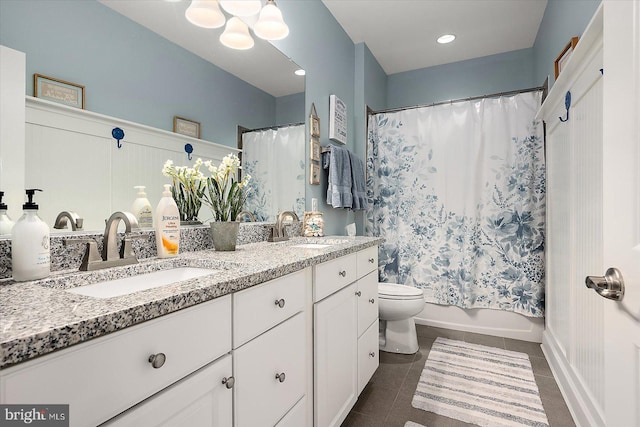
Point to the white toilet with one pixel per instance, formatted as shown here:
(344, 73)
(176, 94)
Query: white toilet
(397, 305)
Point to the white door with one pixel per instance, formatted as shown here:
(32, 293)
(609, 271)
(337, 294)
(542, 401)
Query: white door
(621, 208)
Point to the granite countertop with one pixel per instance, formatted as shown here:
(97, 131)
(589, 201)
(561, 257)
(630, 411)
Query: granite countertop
(39, 317)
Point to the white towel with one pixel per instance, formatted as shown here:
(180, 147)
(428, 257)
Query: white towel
(358, 183)
(339, 193)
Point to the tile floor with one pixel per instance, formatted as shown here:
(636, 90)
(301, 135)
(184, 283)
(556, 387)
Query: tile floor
(386, 400)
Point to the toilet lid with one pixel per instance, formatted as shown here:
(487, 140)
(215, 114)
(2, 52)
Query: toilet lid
(394, 290)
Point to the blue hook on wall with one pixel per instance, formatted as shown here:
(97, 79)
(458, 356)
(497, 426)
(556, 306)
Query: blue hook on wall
(188, 148)
(118, 134)
(567, 105)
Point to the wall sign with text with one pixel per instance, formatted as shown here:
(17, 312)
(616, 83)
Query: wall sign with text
(337, 120)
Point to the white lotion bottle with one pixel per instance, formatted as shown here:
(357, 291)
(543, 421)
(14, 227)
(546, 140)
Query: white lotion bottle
(30, 256)
(167, 225)
(142, 208)
(5, 222)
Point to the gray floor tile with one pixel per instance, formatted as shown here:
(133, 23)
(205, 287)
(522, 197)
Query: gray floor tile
(428, 331)
(356, 419)
(402, 411)
(487, 340)
(531, 348)
(390, 376)
(548, 388)
(540, 366)
(557, 413)
(375, 401)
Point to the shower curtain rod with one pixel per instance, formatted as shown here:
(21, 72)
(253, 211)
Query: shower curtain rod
(273, 127)
(473, 98)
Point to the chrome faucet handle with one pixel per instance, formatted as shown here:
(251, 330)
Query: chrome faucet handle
(68, 217)
(91, 255)
(110, 250)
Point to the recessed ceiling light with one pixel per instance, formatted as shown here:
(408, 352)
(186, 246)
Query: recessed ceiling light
(446, 38)
(299, 72)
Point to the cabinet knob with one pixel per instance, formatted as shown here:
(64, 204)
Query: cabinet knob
(372, 301)
(343, 273)
(359, 293)
(229, 382)
(280, 302)
(157, 360)
(372, 354)
(281, 377)
(371, 260)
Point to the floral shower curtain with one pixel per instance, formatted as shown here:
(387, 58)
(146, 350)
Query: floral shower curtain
(275, 160)
(458, 192)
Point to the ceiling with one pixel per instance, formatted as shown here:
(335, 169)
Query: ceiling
(402, 34)
(263, 66)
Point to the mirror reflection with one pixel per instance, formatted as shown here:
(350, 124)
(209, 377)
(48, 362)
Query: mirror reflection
(85, 177)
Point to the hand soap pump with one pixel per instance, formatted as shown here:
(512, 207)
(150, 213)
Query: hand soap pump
(142, 208)
(30, 256)
(167, 225)
(5, 222)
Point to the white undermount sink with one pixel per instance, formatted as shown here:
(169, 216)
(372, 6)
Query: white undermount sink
(141, 282)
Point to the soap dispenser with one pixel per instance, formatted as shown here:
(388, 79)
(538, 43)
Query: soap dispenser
(30, 257)
(142, 208)
(5, 222)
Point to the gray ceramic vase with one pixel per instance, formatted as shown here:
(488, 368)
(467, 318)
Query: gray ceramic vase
(224, 235)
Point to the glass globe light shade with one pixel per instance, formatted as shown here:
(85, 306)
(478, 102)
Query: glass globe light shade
(236, 35)
(205, 13)
(241, 7)
(270, 25)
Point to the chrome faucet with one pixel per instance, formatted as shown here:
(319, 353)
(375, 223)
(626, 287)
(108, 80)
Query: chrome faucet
(246, 214)
(111, 255)
(279, 231)
(68, 217)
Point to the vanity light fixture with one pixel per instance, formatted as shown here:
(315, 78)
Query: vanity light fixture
(241, 7)
(446, 38)
(236, 35)
(266, 22)
(205, 13)
(270, 25)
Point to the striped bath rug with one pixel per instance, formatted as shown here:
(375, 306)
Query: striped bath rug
(486, 386)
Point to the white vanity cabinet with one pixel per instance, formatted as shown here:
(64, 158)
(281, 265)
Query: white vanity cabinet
(272, 352)
(106, 376)
(345, 333)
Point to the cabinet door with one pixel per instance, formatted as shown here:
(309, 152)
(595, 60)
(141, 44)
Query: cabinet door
(335, 357)
(367, 301)
(200, 400)
(368, 357)
(261, 398)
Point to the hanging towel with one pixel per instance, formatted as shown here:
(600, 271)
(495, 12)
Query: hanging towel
(338, 162)
(358, 183)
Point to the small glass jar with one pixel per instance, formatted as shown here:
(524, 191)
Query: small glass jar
(313, 225)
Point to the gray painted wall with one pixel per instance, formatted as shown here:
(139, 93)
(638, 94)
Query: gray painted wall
(562, 20)
(130, 72)
(474, 77)
(290, 109)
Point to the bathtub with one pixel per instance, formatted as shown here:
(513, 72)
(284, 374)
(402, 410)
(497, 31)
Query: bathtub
(499, 323)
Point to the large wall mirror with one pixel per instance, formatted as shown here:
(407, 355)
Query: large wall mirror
(274, 144)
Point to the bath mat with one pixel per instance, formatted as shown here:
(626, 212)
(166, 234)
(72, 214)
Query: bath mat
(486, 386)
(412, 424)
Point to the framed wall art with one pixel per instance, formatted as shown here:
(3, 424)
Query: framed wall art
(314, 174)
(314, 149)
(314, 122)
(564, 56)
(57, 90)
(186, 127)
(337, 120)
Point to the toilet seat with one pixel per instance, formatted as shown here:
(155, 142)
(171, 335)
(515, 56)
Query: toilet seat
(398, 292)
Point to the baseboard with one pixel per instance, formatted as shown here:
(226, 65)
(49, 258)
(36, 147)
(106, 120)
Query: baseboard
(576, 396)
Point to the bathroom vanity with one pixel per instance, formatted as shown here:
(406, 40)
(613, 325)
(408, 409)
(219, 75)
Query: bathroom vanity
(277, 334)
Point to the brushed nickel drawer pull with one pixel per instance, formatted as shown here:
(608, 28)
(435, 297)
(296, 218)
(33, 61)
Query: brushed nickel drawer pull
(359, 293)
(281, 377)
(280, 302)
(157, 360)
(343, 273)
(372, 301)
(372, 354)
(371, 260)
(229, 382)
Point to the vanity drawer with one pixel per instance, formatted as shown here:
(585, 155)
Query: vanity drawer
(258, 309)
(368, 357)
(367, 260)
(334, 275)
(261, 399)
(296, 417)
(367, 301)
(104, 377)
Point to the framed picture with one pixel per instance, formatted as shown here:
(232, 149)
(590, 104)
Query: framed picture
(314, 149)
(564, 56)
(186, 127)
(314, 122)
(314, 174)
(57, 90)
(337, 120)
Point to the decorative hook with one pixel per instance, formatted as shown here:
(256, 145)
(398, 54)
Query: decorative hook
(602, 71)
(188, 148)
(118, 134)
(567, 105)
